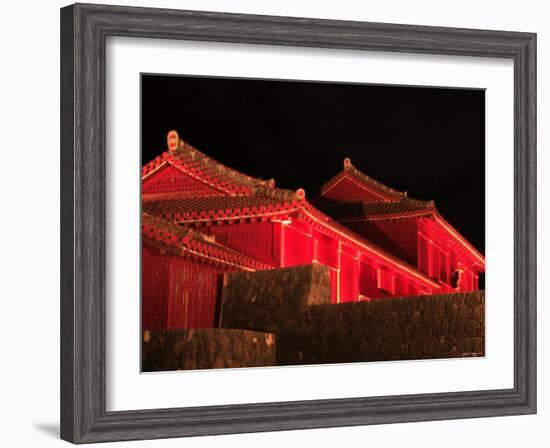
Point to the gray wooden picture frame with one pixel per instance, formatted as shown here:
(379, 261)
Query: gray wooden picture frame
(84, 29)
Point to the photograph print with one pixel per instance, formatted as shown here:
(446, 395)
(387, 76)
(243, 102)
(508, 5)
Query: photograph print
(292, 222)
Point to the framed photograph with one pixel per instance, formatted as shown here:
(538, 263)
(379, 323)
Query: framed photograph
(269, 222)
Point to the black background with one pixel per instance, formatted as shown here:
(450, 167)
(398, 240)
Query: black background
(429, 142)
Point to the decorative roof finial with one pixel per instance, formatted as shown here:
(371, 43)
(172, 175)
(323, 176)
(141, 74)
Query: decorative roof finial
(173, 141)
(347, 163)
(300, 193)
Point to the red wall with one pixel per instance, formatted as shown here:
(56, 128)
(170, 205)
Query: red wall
(297, 244)
(354, 273)
(255, 239)
(349, 275)
(176, 292)
(192, 295)
(154, 289)
(439, 256)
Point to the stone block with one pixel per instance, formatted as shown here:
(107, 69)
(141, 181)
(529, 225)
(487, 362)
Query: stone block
(206, 348)
(262, 300)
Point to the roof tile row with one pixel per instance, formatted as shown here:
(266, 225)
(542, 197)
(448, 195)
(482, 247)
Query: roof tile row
(359, 211)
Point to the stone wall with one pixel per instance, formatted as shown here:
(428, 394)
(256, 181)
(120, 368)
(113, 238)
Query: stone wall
(272, 299)
(206, 348)
(425, 327)
(294, 304)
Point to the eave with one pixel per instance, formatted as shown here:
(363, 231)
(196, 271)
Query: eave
(191, 244)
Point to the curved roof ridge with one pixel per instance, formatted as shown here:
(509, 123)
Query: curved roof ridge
(185, 150)
(367, 181)
(192, 161)
(372, 182)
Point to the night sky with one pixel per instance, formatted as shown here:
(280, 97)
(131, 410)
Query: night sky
(427, 141)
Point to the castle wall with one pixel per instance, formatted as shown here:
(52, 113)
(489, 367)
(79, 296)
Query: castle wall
(292, 304)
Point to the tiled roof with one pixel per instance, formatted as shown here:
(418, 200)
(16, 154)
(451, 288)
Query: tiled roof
(216, 207)
(359, 211)
(189, 242)
(198, 164)
(369, 182)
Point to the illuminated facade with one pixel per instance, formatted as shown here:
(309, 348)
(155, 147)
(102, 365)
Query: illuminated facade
(202, 219)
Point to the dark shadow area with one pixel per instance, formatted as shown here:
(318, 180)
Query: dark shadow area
(50, 429)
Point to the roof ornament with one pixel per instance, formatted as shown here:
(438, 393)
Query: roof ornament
(173, 141)
(347, 163)
(300, 193)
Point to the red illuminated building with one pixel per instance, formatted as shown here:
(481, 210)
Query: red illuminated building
(202, 219)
